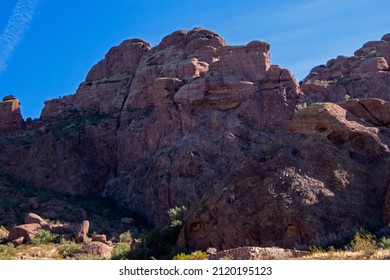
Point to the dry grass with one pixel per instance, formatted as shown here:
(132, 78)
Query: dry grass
(379, 254)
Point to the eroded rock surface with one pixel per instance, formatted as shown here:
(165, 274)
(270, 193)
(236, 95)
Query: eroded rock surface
(364, 75)
(10, 116)
(194, 122)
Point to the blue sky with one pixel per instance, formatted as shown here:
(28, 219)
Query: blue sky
(47, 47)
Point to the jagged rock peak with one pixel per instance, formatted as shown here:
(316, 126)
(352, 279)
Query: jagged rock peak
(120, 59)
(196, 37)
(10, 116)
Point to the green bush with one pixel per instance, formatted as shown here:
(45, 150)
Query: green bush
(4, 231)
(363, 241)
(177, 215)
(121, 251)
(126, 237)
(197, 255)
(384, 243)
(69, 248)
(44, 237)
(7, 251)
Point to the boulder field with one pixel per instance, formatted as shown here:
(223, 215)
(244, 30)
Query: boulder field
(195, 122)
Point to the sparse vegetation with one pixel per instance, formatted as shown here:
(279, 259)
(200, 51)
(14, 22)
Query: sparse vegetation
(197, 255)
(121, 251)
(69, 248)
(7, 251)
(384, 243)
(126, 237)
(337, 174)
(372, 53)
(324, 83)
(364, 241)
(346, 97)
(44, 237)
(300, 106)
(158, 243)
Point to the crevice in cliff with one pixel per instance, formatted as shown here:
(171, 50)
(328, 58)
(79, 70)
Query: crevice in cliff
(369, 112)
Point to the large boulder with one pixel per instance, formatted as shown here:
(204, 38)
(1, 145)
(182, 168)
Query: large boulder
(23, 233)
(98, 249)
(32, 218)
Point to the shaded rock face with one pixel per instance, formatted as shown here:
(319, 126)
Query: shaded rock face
(10, 116)
(216, 128)
(364, 75)
(314, 186)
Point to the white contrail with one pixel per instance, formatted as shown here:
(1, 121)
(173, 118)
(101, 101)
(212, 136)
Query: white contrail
(15, 29)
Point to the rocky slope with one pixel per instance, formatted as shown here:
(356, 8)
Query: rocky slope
(216, 128)
(364, 75)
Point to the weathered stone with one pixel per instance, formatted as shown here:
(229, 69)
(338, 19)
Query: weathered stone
(82, 232)
(364, 75)
(98, 249)
(250, 62)
(10, 116)
(26, 231)
(32, 218)
(100, 238)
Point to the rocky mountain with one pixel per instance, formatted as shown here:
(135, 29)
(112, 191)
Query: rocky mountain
(222, 131)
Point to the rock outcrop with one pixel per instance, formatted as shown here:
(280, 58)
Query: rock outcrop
(10, 117)
(82, 232)
(194, 122)
(364, 75)
(32, 218)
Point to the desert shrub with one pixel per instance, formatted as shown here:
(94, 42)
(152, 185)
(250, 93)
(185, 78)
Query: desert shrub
(177, 215)
(346, 97)
(126, 237)
(121, 251)
(197, 255)
(44, 237)
(69, 248)
(2, 228)
(363, 241)
(7, 251)
(316, 250)
(384, 243)
(300, 106)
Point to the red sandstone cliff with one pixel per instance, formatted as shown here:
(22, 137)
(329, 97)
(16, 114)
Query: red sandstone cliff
(216, 128)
